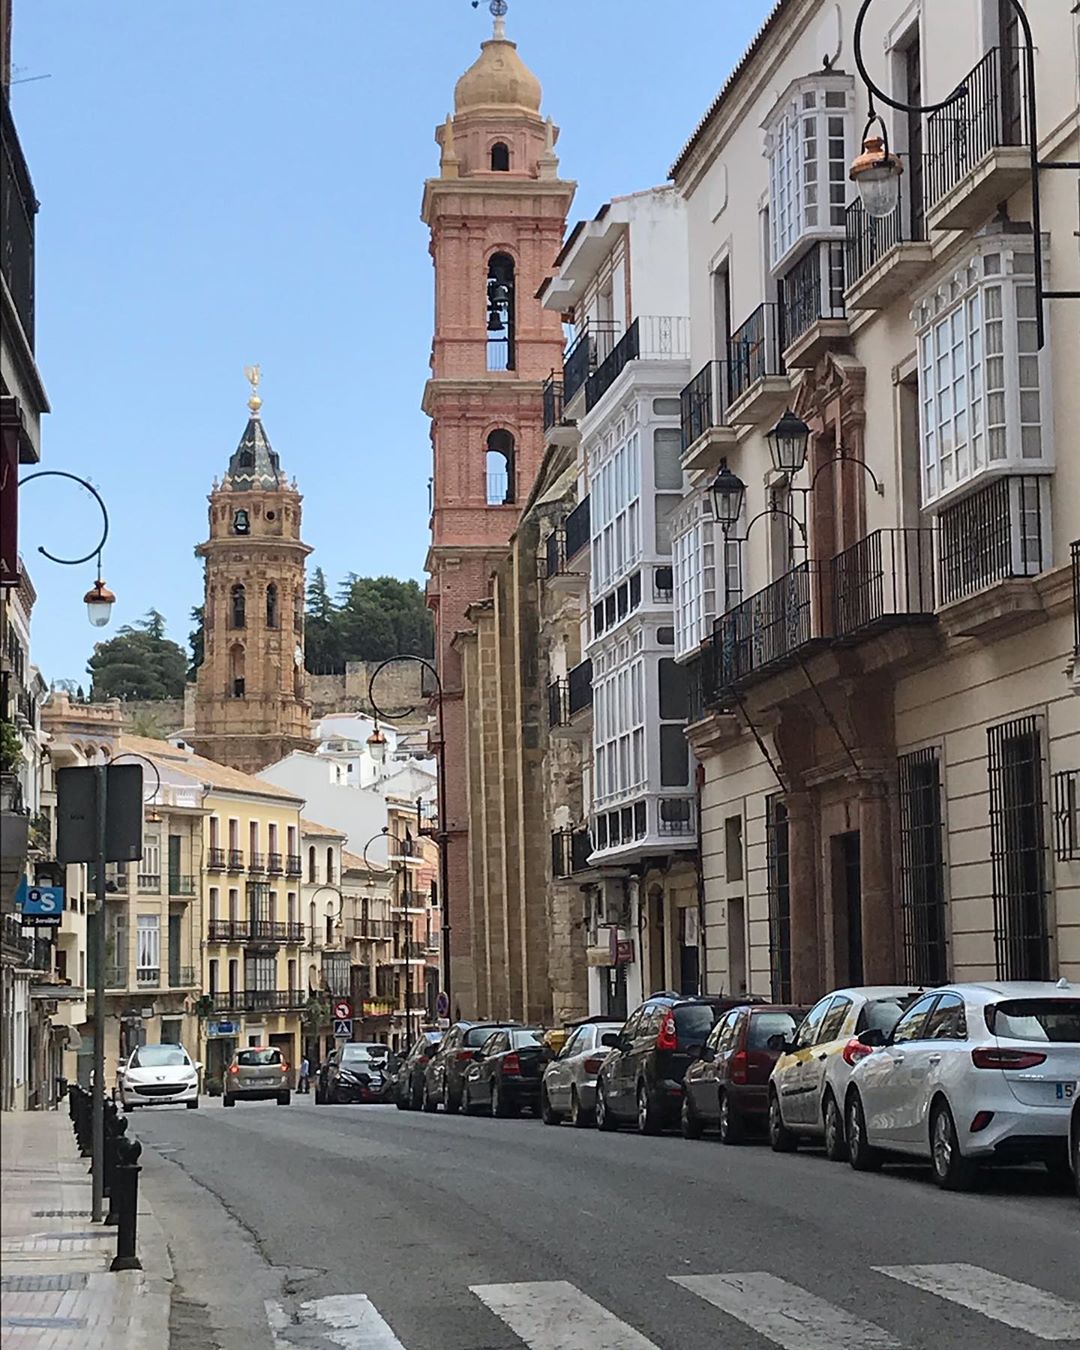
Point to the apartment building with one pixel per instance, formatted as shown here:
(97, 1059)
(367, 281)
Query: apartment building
(876, 597)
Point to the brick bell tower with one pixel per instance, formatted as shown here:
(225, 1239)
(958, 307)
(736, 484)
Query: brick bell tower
(497, 215)
(250, 705)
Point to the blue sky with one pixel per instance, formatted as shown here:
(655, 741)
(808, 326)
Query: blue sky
(238, 182)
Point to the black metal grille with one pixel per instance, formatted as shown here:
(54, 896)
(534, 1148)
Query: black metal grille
(868, 238)
(922, 869)
(553, 401)
(765, 628)
(558, 704)
(754, 350)
(216, 860)
(807, 295)
(1074, 549)
(588, 350)
(703, 402)
(991, 536)
(992, 113)
(576, 527)
(1066, 798)
(1018, 849)
(887, 574)
(18, 207)
(778, 855)
(608, 371)
(570, 851)
(579, 687)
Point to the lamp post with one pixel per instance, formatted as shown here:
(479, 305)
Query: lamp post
(401, 872)
(876, 172)
(99, 600)
(442, 834)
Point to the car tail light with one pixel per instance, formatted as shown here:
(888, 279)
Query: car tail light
(739, 1063)
(284, 1068)
(464, 1056)
(855, 1050)
(233, 1068)
(592, 1064)
(980, 1120)
(666, 1038)
(996, 1057)
(511, 1063)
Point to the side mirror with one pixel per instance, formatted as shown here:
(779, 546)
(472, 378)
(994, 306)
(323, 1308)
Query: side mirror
(872, 1037)
(610, 1039)
(477, 1055)
(198, 1065)
(696, 1051)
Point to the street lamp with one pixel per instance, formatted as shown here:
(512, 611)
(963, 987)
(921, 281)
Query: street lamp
(376, 744)
(876, 173)
(728, 493)
(99, 600)
(787, 443)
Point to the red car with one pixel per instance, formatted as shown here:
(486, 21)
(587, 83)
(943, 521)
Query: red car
(727, 1088)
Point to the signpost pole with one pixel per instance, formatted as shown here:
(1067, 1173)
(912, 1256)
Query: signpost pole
(97, 1150)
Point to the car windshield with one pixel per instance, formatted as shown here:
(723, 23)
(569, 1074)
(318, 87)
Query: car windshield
(159, 1057)
(251, 1057)
(693, 1022)
(519, 1040)
(884, 1013)
(766, 1024)
(352, 1053)
(1036, 1019)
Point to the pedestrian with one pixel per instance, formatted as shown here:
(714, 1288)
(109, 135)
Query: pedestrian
(305, 1075)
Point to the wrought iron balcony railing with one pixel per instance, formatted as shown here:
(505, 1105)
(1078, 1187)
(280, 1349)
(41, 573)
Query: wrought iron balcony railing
(576, 529)
(703, 402)
(215, 860)
(813, 289)
(649, 338)
(754, 350)
(236, 860)
(18, 207)
(558, 703)
(885, 578)
(181, 885)
(274, 864)
(996, 534)
(765, 629)
(868, 238)
(553, 401)
(293, 867)
(588, 351)
(579, 687)
(257, 864)
(259, 1000)
(182, 977)
(570, 850)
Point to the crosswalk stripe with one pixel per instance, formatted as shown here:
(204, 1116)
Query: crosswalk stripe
(1017, 1305)
(350, 1321)
(786, 1314)
(556, 1315)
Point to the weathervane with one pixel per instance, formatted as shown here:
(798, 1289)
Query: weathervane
(253, 374)
(498, 10)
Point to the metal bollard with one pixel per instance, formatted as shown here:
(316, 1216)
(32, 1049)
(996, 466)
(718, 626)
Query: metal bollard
(115, 1125)
(83, 1125)
(125, 1200)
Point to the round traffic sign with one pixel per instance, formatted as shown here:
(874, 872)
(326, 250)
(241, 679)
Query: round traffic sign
(342, 1009)
(442, 1005)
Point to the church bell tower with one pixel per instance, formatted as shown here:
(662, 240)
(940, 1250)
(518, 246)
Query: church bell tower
(250, 705)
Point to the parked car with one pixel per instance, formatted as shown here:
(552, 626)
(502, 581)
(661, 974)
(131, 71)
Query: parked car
(444, 1077)
(971, 1074)
(155, 1074)
(809, 1083)
(642, 1078)
(728, 1087)
(409, 1081)
(568, 1087)
(257, 1073)
(505, 1073)
(1074, 1141)
(357, 1071)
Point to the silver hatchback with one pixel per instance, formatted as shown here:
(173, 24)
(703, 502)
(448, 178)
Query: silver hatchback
(258, 1073)
(569, 1083)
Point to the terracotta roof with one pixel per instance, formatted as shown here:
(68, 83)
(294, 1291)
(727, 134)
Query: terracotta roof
(354, 861)
(214, 775)
(311, 827)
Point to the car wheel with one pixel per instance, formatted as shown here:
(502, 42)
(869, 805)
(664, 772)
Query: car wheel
(781, 1139)
(416, 1097)
(1061, 1172)
(498, 1104)
(192, 1105)
(952, 1171)
(227, 1100)
(648, 1118)
(284, 1098)
(579, 1117)
(547, 1113)
(427, 1101)
(467, 1102)
(732, 1129)
(689, 1120)
(451, 1104)
(836, 1149)
(604, 1119)
(862, 1156)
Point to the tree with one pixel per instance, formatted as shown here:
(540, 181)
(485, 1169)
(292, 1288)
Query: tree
(139, 663)
(197, 640)
(319, 645)
(374, 618)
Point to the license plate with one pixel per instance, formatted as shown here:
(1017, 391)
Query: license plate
(1065, 1091)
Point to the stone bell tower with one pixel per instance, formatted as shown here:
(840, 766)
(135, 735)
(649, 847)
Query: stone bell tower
(497, 214)
(250, 705)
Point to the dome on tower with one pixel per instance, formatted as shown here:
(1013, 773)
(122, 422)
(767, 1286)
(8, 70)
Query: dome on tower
(498, 78)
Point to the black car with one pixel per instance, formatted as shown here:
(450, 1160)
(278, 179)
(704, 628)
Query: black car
(444, 1077)
(358, 1071)
(642, 1079)
(409, 1083)
(505, 1073)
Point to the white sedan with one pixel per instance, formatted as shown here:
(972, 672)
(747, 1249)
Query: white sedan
(155, 1074)
(972, 1073)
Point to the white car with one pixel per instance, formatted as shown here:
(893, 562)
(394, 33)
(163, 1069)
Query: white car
(809, 1081)
(971, 1073)
(155, 1074)
(569, 1084)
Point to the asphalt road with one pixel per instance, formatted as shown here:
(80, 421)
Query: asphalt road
(373, 1229)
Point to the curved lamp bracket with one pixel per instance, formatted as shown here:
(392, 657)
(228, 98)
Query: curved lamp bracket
(96, 550)
(398, 712)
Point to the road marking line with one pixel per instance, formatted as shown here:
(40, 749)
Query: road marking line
(349, 1320)
(996, 1296)
(786, 1314)
(556, 1315)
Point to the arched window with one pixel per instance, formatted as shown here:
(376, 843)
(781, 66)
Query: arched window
(329, 864)
(311, 925)
(311, 863)
(500, 157)
(500, 312)
(500, 468)
(237, 613)
(298, 610)
(236, 671)
(271, 606)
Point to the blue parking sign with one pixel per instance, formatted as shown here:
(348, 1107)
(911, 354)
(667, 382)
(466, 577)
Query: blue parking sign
(42, 905)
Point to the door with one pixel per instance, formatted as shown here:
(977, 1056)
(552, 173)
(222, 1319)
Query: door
(933, 1061)
(788, 1075)
(613, 993)
(174, 864)
(830, 1041)
(726, 1036)
(1012, 125)
(175, 953)
(886, 1081)
(736, 935)
(621, 1068)
(479, 1074)
(913, 74)
(847, 906)
(557, 1078)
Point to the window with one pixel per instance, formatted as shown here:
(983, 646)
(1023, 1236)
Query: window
(260, 973)
(271, 606)
(256, 1057)
(214, 901)
(947, 1021)
(500, 312)
(667, 467)
(237, 617)
(500, 157)
(922, 869)
(212, 967)
(832, 1024)
(980, 372)
(237, 683)
(777, 853)
(329, 864)
(148, 946)
(733, 848)
(765, 1025)
(499, 464)
(806, 141)
(910, 1027)
(809, 1027)
(1018, 850)
(615, 510)
(311, 864)
(1036, 1019)
(619, 730)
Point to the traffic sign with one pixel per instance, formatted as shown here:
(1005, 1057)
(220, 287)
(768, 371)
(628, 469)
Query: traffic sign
(343, 1028)
(342, 1010)
(442, 1005)
(41, 906)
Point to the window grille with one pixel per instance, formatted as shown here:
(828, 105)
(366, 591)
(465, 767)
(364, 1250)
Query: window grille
(777, 851)
(1018, 849)
(922, 869)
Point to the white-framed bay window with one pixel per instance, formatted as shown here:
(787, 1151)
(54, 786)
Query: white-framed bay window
(619, 767)
(615, 505)
(984, 392)
(808, 139)
(706, 572)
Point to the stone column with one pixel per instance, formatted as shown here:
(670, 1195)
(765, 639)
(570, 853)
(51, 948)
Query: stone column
(806, 963)
(876, 883)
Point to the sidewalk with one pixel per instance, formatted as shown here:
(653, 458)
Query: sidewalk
(56, 1290)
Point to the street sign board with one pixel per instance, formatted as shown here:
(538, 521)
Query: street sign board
(222, 1029)
(343, 1028)
(442, 1005)
(41, 906)
(342, 1010)
(76, 798)
(444, 1022)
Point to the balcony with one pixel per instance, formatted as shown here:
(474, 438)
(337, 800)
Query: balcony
(570, 851)
(553, 401)
(651, 824)
(260, 1000)
(767, 630)
(376, 930)
(884, 580)
(274, 864)
(181, 886)
(377, 1007)
(18, 207)
(881, 261)
(182, 977)
(148, 977)
(760, 388)
(577, 529)
(706, 436)
(977, 148)
(257, 864)
(812, 315)
(585, 354)
(24, 951)
(226, 930)
(148, 883)
(236, 860)
(649, 338)
(254, 930)
(570, 696)
(677, 816)
(215, 860)
(293, 867)
(989, 545)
